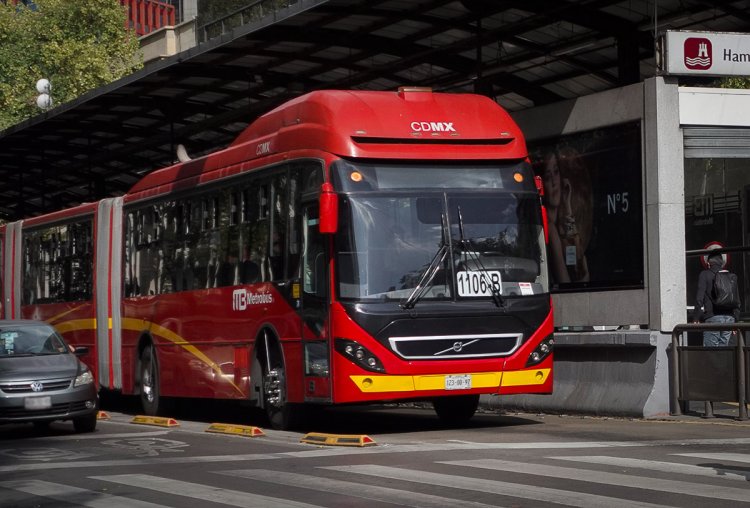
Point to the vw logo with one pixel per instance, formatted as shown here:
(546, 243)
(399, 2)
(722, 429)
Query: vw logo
(37, 386)
(458, 346)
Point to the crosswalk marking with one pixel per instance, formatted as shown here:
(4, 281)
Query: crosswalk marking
(732, 457)
(360, 490)
(413, 448)
(517, 490)
(201, 491)
(69, 494)
(623, 480)
(91, 498)
(655, 465)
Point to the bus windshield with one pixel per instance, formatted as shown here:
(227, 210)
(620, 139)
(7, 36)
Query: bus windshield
(464, 242)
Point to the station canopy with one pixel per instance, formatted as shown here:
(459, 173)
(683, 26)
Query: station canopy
(522, 53)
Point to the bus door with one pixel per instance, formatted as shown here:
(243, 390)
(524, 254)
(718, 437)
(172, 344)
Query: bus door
(314, 312)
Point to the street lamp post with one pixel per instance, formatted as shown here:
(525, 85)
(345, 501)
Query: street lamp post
(44, 99)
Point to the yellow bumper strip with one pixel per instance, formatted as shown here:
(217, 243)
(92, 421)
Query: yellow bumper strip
(528, 377)
(237, 430)
(385, 383)
(318, 438)
(155, 420)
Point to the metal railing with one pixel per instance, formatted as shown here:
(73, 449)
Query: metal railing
(706, 383)
(253, 11)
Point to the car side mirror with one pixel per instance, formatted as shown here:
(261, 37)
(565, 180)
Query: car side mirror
(81, 351)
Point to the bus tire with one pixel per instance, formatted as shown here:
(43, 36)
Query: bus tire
(149, 377)
(456, 410)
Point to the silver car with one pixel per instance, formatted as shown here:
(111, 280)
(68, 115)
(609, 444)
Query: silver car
(42, 379)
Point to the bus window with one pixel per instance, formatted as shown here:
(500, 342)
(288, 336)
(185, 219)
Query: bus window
(279, 215)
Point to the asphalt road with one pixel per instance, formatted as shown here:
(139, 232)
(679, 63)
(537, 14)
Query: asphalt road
(498, 460)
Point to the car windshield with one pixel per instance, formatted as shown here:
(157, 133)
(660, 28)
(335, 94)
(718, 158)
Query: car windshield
(30, 340)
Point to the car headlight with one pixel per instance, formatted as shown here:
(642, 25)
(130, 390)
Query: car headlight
(84, 378)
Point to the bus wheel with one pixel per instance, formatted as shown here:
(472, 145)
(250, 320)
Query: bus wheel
(149, 382)
(456, 410)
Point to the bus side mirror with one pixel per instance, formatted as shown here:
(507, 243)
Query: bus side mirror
(545, 219)
(329, 209)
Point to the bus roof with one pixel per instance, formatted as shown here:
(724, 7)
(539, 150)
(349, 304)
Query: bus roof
(411, 124)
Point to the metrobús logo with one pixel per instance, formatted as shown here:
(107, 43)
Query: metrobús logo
(698, 53)
(432, 127)
(243, 298)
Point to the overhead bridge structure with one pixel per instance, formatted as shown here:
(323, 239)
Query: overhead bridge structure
(521, 53)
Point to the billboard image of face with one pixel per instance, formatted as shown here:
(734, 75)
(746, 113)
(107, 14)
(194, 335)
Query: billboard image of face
(593, 196)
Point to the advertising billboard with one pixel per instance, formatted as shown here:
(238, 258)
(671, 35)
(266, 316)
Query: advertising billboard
(594, 200)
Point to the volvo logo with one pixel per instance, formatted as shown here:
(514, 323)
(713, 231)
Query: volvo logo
(458, 346)
(37, 386)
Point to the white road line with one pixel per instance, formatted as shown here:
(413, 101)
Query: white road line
(74, 495)
(664, 467)
(359, 490)
(743, 458)
(79, 437)
(202, 492)
(98, 464)
(603, 478)
(375, 450)
(516, 490)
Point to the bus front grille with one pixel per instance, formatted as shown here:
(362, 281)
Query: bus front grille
(445, 347)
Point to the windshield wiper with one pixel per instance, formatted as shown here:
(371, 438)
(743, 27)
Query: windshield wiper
(471, 253)
(432, 269)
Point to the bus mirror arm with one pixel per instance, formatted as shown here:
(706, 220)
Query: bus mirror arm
(329, 209)
(545, 219)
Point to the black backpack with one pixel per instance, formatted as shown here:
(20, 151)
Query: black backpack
(726, 293)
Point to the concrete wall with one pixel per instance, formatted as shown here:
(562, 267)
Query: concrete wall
(168, 41)
(624, 371)
(608, 373)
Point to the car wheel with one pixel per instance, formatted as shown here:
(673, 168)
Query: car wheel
(42, 425)
(85, 423)
(149, 382)
(456, 410)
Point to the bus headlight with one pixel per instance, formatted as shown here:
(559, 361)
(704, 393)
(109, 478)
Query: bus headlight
(542, 351)
(359, 354)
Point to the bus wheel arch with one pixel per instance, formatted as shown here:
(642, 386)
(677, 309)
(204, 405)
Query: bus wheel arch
(269, 385)
(147, 376)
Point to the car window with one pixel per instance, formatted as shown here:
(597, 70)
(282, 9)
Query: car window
(30, 341)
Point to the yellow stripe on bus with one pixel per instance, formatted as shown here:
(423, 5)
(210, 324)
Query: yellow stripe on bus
(75, 325)
(386, 383)
(53, 319)
(139, 325)
(528, 377)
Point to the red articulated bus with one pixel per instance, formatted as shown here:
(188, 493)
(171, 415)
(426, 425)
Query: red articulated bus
(347, 247)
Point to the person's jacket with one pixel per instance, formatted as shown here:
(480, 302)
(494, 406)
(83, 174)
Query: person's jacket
(704, 305)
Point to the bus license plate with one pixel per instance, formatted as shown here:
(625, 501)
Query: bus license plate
(462, 382)
(37, 403)
(476, 283)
